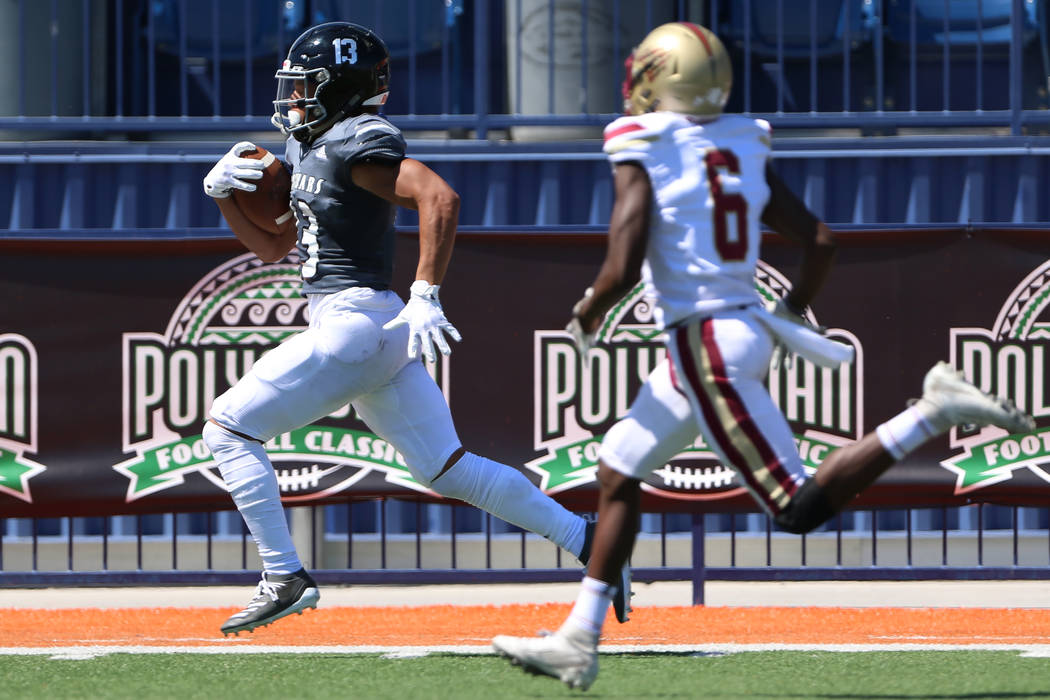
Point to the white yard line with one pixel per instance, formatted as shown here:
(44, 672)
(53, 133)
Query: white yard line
(94, 651)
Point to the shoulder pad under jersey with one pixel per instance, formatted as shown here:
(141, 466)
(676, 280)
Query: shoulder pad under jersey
(739, 126)
(632, 138)
(366, 136)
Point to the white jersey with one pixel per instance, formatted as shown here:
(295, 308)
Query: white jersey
(709, 184)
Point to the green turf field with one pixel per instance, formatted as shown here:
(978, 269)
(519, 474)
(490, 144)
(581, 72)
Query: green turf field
(775, 674)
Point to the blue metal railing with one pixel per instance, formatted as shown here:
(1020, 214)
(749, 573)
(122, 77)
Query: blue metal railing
(116, 66)
(866, 182)
(977, 542)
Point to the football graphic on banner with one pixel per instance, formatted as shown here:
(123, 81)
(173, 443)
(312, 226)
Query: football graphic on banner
(577, 404)
(226, 322)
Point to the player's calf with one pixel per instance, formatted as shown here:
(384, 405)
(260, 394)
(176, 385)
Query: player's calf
(621, 590)
(809, 508)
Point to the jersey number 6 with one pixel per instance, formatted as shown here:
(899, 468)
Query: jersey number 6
(730, 245)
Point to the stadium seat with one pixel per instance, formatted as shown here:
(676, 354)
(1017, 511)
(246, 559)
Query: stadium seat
(962, 17)
(391, 21)
(772, 29)
(268, 21)
(834, 19)
(407, 37)
(962, 29)
(272, 25)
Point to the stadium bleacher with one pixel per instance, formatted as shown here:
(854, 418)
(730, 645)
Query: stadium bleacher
(833, 72)
(871, 101)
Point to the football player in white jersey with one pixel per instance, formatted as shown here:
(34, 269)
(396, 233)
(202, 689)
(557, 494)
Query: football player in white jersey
(692, 187)
(362, 345)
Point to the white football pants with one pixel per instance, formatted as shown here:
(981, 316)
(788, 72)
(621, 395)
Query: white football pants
(712, 385)
(344, 357)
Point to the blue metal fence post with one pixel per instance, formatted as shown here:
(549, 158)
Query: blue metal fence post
(247, 59)
(85, 57)
(118, 59)
(699, 567)
(1016, 11)
(151, 61)
(22, 41)
(54, 57)
(880, 80)
(481, 68)
(980, 58)
(946, 63)
(184, 94)
(780, 56)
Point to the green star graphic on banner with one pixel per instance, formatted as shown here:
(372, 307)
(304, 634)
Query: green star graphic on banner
(163, 466)
(15, 473)
(568, 464)
(990, 462)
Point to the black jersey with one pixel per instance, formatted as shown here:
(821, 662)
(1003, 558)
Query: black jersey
(346, 234)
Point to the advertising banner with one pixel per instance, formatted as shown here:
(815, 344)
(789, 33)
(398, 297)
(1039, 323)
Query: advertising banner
(111, 354)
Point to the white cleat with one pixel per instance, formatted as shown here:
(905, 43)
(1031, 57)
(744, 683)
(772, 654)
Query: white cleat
(571, 658)
(947, 392)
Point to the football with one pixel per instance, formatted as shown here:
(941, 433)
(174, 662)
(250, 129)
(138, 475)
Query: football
(269, 206)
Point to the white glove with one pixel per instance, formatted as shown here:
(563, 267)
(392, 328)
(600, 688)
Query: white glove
(232, 171)
(584, 341)
(783, 310)
(426, 322)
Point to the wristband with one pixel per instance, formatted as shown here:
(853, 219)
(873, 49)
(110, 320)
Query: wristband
(424, 289)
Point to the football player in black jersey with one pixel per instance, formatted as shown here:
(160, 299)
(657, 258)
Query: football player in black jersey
(349, 173)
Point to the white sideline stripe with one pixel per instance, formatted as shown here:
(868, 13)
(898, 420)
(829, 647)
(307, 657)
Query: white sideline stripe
(93, 651)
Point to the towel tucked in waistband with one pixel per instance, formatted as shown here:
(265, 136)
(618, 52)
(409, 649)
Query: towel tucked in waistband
(803, 340)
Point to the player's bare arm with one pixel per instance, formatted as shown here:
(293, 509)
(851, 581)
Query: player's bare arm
(413, 185)
(270, 247)
(788, 215)
(625, 252)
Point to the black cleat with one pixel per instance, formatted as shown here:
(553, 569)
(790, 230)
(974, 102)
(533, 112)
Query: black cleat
(276, 596)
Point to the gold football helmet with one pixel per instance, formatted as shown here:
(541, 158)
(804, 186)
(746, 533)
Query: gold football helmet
(678, 67)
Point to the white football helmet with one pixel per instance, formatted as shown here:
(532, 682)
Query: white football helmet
(678, 67)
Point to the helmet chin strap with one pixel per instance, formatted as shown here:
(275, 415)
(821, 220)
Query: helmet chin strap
(310, 133)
